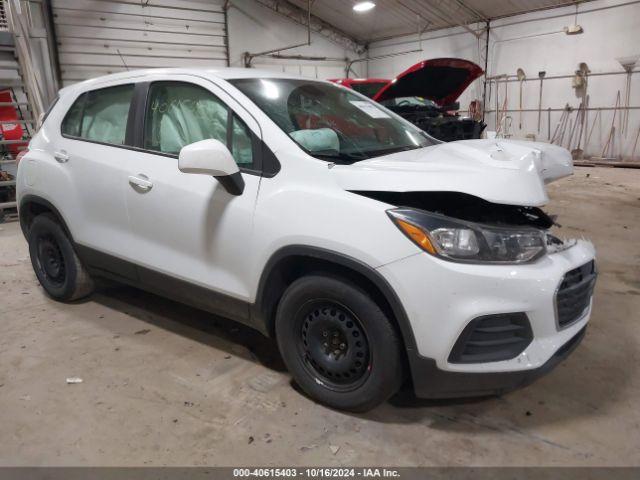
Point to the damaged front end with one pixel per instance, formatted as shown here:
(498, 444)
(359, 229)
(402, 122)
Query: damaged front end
(463, 228)
(475, 201)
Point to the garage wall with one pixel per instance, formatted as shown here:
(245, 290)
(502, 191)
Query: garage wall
(97, 37)
(535, 42)
(255, 28)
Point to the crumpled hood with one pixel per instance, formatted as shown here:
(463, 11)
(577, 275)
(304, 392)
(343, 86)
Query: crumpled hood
(499, 171)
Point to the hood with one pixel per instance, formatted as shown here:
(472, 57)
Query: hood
(366, 86)
(441, 80)
(499, 171)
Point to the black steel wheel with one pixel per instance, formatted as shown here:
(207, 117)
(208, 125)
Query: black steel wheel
(49, 260)
(339, 346)
(334, 345)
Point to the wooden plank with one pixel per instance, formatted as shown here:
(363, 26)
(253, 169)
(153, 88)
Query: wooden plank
(8, 205)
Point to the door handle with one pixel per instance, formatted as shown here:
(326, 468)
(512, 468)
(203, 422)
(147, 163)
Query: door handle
(140, 181)
(61, 156)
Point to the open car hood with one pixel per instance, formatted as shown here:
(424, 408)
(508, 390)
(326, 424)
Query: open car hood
(441, 80)
(499, 171)
(366, 86)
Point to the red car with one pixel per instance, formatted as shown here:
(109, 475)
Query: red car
(426, 95)
(366, 86)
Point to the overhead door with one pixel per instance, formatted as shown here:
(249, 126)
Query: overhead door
(97, 37)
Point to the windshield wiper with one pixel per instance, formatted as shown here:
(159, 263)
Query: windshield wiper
(388, 151)
(341, 157)
(346, 157)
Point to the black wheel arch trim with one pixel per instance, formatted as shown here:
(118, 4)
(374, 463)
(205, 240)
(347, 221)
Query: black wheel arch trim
(28, 199)
(260, 316)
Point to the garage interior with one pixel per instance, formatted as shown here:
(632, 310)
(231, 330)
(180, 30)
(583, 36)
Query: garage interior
(166, 384)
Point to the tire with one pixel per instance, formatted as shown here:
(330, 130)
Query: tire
(55, 262)
(338, 345)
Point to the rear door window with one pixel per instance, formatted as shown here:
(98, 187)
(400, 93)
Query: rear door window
(100, 115)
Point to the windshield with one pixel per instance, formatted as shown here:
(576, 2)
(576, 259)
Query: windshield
(330, 122)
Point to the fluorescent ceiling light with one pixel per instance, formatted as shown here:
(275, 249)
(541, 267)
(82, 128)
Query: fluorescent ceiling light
(363, 6)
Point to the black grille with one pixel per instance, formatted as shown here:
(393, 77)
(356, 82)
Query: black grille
(574, 294)
(492, 338)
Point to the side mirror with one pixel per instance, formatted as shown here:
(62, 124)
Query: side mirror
(212, 157)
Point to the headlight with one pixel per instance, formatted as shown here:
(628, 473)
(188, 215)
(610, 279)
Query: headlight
(463, 241)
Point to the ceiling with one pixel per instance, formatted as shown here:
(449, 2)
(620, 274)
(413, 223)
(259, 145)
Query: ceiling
(398, 17)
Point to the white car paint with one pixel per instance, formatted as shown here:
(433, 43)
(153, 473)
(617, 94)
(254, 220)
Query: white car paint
(439, 291)
(518, 171)
(191, 228)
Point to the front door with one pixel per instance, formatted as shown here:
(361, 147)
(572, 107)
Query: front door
(187, 230)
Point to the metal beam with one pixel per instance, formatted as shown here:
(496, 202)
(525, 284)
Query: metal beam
(445, 16)
(227, 51)
(316, 24)
(415, 12)
(561, 4)
(394, 8)
(474, 11)
(248, 56)
(440, 15)
(377, 57)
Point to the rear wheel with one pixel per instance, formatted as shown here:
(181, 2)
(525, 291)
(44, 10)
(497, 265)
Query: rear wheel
(339, 346)
(54, 261)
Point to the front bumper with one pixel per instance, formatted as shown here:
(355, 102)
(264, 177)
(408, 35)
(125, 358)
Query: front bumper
(441, 298)
(431, 382)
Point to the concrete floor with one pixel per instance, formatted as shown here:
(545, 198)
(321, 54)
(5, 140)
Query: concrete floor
(165, 384)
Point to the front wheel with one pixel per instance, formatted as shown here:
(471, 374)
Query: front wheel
(338, 344)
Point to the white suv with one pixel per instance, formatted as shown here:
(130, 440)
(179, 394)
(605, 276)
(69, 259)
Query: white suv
(372, 252)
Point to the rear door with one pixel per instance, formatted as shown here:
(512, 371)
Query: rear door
(186, 228)
(93, 152)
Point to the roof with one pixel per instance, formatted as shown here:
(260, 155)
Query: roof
(216, 73)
